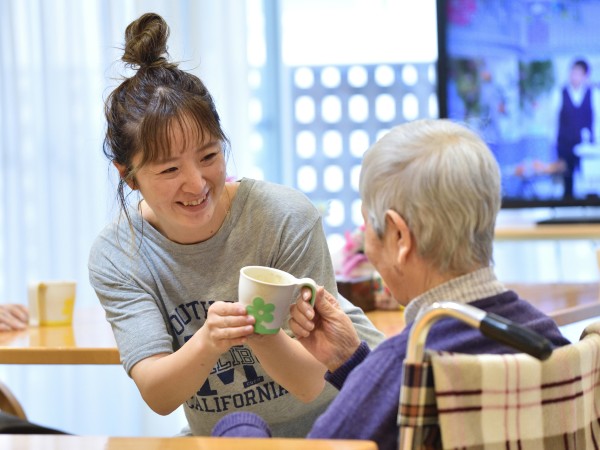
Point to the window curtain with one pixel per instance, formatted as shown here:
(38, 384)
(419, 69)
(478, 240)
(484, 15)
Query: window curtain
(59, 60)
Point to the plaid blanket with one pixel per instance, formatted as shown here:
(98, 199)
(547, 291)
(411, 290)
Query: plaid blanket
(417, 412)
(510, 401)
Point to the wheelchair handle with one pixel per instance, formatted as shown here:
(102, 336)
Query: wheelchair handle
(490, 325)
(516, 336)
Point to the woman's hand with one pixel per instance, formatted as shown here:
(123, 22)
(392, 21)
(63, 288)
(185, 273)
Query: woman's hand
(325, 330)
(13, 317)
(227, 324)
(169, 379)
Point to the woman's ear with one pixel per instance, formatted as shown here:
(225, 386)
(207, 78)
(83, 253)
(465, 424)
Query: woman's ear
(124, 174)
(399, 235)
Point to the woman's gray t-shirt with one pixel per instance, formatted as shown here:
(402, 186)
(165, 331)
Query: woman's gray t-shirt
(156, 294)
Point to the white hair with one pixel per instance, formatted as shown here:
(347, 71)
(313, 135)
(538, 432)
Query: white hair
(445, 183)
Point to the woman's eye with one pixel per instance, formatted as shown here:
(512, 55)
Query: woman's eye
(169, 170)
(209, 156)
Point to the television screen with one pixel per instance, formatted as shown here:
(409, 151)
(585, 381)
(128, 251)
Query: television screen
(524, 73)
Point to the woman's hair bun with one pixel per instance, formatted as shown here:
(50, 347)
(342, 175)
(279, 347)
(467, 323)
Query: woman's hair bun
(146, 42)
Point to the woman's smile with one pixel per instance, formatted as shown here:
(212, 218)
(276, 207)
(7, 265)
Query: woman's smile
(196, 202)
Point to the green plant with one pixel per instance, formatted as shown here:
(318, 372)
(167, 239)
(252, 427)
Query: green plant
(535, 79)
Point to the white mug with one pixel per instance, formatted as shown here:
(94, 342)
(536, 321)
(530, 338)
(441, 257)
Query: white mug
(51, 302)
(268, 293)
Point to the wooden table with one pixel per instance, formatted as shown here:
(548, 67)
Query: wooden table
(88, 341)
(531, 231)
(44, 442)
(564, 302)
(388, 322)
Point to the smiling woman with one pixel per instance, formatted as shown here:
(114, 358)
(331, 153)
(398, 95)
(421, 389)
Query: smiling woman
(167, 271)
(184, 192)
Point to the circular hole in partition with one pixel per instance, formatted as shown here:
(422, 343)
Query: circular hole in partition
(384, 75)
(358, 108)
(355, 177)
(331, 77)
(332, 144)
(304, 78)
(385, 108)
(410, 107)
(306, 144)
(359, 143)
(358, 76)
(410, 76)
(304, 110)
(357, 218)
(331, 109)
(336, 214)
(434, 110)
(432, 74)
(333, 178)
(306, 178)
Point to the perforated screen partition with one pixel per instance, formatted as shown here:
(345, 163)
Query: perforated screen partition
(338, 112)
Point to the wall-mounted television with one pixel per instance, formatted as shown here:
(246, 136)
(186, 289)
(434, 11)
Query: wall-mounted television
(525, 74)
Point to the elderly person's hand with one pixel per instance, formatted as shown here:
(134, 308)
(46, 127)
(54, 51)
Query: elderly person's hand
(13, 317)
(325, 330)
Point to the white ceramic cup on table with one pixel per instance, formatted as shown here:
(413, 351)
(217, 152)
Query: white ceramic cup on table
(268, 293)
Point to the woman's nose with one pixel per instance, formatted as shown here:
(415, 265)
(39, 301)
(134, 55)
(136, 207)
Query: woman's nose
(193, 180)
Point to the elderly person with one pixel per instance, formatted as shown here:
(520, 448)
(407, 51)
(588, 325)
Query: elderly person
(431, 193)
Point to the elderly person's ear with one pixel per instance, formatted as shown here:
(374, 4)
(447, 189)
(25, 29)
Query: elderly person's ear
(398, 233)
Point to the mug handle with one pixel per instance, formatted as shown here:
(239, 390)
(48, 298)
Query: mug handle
(312, 285)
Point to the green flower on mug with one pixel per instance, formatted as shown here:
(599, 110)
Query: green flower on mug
(261, 311)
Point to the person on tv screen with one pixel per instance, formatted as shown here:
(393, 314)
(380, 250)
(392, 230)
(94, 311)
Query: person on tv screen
(575, 121)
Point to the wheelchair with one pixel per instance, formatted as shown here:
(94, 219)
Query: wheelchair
(539, 398)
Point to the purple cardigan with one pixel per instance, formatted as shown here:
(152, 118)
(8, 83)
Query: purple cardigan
(369, 382)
